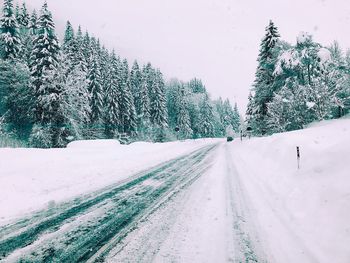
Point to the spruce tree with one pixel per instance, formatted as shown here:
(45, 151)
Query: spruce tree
(206, 127)
(44, 57)
(23, 19)
(135, 85)
(78, 57)
(143, 117)
(250, 111)
(264, 77)
(112, 101)
(10, 37)
(28, 34)
(75, 103)
(95, 89)
(68, 34)
(236, 118)
(172, 92)
(128, 113)
(158, 109)
(33, 23)
(183, 122)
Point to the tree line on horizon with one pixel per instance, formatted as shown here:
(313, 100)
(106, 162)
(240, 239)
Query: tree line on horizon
(297, 84)
(52, 93)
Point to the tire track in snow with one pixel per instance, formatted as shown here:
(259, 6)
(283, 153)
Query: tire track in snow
(246, 242)
(53, 236)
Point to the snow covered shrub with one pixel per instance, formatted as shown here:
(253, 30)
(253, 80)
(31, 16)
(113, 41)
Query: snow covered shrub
(41, 137)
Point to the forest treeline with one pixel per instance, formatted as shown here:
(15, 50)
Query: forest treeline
(54, 92)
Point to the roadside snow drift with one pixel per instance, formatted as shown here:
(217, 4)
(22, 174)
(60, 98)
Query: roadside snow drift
(32, 179)
(303, 215)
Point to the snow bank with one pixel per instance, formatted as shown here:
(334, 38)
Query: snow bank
(94, 144)
(302, 214)
(32, 179)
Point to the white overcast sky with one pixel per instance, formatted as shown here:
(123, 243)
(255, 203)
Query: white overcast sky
(215, 40)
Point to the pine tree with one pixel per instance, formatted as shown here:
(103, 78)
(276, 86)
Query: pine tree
(112, 109)
(220, 126)
(206, 127)
(23, 18)
(264, 77)
(196, 86)
(75, 105)
(95, 90)
(28, 34)
(50, 100)
(135, 85)
(236, 119)
(86, 48)
(68, 34)
(143, 117)
(105, 65)
(72, 48)
(250, 111)
(158, 109)
(172, 98)
(128, 113)
(10, 37)
(77, 52)
(183, 117)
(144, 102)
(44, 57)
(16, 98)
(149, 74)
(33, 23)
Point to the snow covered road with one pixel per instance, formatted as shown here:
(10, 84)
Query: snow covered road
(209, 222)
(86, 228)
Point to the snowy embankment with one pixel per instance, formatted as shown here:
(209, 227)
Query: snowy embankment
(302, 215)
(32, 179)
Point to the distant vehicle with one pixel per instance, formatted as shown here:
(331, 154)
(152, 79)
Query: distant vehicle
(229, 133)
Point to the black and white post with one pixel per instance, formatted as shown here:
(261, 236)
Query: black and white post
(298, 156)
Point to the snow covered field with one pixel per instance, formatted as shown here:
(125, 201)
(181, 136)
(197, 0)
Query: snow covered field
(32, 179)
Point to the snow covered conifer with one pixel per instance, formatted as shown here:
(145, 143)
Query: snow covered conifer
(264, 77)
(95, 89)
(68, 34)
(143, 117)
(128, 113)
(249, 111)
(23, 18)
(135, 85)
(76, 51)
(33, 23)
(158, 108)
(183, 121)
(10, 37)
(112, 100)
(44, 57)
(206, 127)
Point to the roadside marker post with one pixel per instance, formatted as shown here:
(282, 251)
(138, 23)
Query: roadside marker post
(298, 156)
